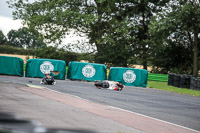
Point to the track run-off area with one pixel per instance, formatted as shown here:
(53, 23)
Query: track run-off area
(82, 105)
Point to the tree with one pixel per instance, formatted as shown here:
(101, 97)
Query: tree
(24, 38)
(54, 53)
(172, 56)
(180, 24)
(118, 28)
(55, 18)
(138, 15)
(3, 39)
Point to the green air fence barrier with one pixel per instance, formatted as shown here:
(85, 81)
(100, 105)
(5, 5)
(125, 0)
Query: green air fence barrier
(11, 66)
(158, 77)
(129, 76)
(38, 67)
(86, 71)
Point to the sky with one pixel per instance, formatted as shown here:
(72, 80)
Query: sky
(7, 23)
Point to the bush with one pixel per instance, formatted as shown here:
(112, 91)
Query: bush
(48, 53)
(53, 53)
(14, 50)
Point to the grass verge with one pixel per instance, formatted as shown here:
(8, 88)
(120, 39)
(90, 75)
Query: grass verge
(164, 86)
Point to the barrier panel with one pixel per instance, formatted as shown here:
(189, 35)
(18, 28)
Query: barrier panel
(11, 66)
(38, 67)
(129, 76)
(86, 71)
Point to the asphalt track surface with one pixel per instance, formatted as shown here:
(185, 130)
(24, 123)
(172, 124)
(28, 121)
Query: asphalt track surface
(179, 109)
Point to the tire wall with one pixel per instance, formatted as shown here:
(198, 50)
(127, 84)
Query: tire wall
(184, 81)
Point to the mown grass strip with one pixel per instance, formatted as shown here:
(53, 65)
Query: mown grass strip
(164, 86)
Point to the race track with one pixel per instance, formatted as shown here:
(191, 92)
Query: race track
(175, 108)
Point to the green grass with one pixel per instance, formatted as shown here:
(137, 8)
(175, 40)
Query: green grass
(164, 86)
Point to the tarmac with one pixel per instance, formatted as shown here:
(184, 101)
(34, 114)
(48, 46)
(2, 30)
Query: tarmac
(60, 110)
(51, 113)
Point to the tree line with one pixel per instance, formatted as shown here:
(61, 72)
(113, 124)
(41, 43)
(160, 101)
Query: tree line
(162, 33)
(24, 42)
(22, 38)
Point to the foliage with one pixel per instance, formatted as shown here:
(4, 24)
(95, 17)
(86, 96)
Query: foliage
(16, 50)
(3, 39)
(118, 28)
(25, 38)
(176, 31)
(85, 56)
(172, 57)
(163, 33)
(46, 52)
(52, 53)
